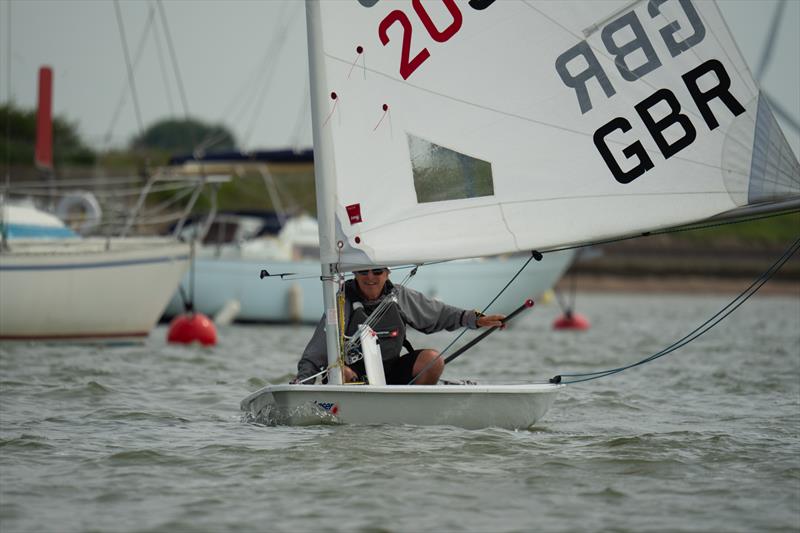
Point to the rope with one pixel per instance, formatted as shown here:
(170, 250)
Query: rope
(565, 307)
(745, 295)
(697, 332)
(534, 255)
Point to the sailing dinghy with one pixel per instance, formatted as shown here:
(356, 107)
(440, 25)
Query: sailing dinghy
(446, 129)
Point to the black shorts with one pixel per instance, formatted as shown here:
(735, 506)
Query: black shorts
(397, 371)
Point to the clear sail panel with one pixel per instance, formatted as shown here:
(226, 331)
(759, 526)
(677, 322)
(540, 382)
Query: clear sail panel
(442, 174)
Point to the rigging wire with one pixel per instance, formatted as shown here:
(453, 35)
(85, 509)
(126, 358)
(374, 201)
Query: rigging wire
(131, 79)
(171, 48)
(567, 304)
(162, 66)
(766, 53)
(302, 121)
(697, 332)
(137, 57)
(278, 41)
(239, 107)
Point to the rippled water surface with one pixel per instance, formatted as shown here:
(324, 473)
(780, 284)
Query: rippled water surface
(149, 438)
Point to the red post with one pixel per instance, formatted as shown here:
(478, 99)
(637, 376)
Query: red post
(44, 121)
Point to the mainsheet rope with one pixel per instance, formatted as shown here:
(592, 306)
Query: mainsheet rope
(710, 323)
(534, 255)
(697, 332)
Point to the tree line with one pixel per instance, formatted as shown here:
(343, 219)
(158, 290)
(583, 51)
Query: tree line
(165, 137)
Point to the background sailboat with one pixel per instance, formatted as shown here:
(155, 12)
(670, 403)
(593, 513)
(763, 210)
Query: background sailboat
(240, 245)
(56, 285)
(565, 135)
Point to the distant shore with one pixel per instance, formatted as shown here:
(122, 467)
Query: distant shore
(671, 263)
(585, 282)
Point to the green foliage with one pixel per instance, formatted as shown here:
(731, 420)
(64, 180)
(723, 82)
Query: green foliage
(184, 136)
(18, 140)
(295, 188)
(771, 230)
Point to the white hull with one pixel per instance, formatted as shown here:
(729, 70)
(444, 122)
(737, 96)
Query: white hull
(468, 284)
(466, 406)
(87, 289)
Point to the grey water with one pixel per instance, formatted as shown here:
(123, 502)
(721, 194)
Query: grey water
(149, 438)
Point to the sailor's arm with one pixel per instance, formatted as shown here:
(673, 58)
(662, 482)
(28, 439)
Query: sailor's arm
(315, 355)
(429, 315)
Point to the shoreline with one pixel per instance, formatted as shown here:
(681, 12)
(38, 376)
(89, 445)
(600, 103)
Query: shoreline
(584, 282)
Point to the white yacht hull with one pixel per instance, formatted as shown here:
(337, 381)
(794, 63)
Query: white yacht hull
(466, 406)
(298, 298)
(87, 289)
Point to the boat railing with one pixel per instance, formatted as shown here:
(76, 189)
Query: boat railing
(119, 206)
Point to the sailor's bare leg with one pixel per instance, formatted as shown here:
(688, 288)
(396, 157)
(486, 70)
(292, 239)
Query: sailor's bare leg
(432, 372)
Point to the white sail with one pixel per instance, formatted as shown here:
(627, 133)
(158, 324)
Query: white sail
(458, 129)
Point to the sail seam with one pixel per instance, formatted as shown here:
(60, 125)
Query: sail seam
(539, 200)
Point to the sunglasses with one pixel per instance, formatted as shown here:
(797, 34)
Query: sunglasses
(375, 272)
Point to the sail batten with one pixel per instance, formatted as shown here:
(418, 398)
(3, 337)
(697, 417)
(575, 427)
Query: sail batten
(464, 133)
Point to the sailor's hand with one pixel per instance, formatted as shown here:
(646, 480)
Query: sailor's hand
(350, 376)
(490, 321)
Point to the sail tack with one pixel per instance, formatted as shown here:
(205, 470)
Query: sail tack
(466, 129)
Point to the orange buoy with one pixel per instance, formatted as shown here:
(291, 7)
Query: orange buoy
(570, 320)
(194, 327)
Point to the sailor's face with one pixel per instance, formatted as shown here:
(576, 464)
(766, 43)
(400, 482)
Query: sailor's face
(371, 282)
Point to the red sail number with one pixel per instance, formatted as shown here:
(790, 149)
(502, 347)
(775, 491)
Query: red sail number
(445, 34)
(408, 64)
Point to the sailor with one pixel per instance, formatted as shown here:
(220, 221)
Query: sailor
(405, 307)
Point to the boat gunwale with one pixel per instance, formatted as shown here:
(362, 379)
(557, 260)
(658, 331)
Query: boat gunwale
(527, 388)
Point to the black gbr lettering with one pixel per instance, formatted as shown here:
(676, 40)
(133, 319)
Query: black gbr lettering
(480, 4)
(721, 90)
(635, 149)
(656, 128)
(672, 119)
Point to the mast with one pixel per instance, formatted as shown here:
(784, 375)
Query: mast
(324, 178)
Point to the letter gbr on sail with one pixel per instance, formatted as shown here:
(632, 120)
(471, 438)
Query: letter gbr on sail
(459, 129)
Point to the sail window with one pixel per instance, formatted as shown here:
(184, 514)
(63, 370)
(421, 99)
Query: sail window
(442, 174)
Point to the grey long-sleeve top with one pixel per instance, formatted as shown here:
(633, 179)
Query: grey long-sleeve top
(417, 310)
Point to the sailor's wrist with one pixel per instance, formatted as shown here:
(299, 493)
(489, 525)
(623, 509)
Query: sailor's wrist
(474, 315)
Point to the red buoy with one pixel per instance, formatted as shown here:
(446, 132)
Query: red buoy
(573, 321)
(194, 327)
